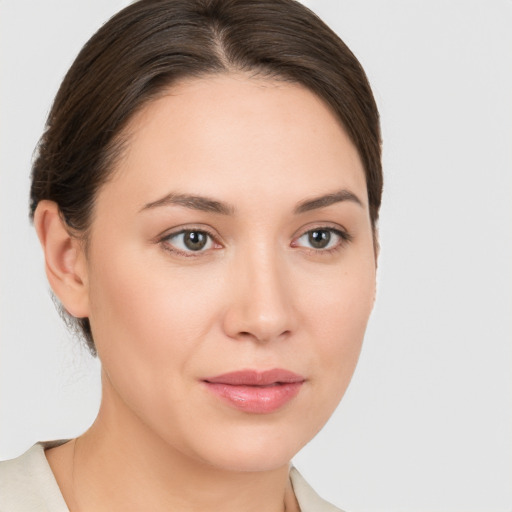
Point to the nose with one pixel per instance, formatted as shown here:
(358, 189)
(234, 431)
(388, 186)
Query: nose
(261, 305)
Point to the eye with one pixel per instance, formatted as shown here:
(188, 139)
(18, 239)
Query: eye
(189, 240)
(322, 239)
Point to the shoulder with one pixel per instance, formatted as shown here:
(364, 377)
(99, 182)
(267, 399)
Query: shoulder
(308, 499)
(28, 484)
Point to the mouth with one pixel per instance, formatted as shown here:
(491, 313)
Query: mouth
(257, 392)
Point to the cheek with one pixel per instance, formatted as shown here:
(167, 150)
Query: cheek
(337, 319)
(145, 318)
(340, 300)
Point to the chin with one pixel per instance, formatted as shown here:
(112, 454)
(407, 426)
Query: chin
(252, 449)
(250, 461)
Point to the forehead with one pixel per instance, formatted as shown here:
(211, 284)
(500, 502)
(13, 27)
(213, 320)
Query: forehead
(235, 136)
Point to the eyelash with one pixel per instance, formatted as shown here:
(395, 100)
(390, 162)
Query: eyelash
(344, 238)
(187, 254)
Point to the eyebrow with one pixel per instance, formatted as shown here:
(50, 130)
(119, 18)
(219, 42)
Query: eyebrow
(327, 200)
(202, 203)
(206, 204)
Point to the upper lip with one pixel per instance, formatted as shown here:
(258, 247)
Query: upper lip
(256, 377)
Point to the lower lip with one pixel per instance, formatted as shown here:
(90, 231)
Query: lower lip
(256, 399)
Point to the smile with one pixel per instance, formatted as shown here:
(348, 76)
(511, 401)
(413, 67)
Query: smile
(256, 392)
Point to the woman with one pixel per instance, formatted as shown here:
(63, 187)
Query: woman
(206, 194)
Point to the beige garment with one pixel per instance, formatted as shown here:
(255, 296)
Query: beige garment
(27, 484)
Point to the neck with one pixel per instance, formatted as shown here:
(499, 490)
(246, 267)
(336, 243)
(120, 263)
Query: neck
(120, 464)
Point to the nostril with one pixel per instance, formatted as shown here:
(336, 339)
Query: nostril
(263, 337)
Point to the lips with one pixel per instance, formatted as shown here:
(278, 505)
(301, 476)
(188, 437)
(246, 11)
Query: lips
(258, 392)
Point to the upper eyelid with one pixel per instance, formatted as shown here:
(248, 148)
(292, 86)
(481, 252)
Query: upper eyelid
(184, 229)
(340, 232)
(187, 230)
(179, 229)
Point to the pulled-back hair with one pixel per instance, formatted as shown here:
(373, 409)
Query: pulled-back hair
(149, 46)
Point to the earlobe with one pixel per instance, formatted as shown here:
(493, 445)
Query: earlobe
(65, 262)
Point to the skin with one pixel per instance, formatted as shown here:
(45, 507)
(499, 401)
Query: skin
(258, 296)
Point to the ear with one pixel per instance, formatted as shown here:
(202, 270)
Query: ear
(65, 261)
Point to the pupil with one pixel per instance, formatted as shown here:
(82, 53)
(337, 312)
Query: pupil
(195, 240)
(319, 238)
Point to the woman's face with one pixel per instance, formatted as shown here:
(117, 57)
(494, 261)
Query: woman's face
(233, 239)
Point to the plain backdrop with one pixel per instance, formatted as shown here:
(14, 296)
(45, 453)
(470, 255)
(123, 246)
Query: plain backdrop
(427, 421)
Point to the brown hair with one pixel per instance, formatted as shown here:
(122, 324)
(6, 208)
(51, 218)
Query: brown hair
(150, 45)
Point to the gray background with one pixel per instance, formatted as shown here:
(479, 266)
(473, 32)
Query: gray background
(427, 421)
